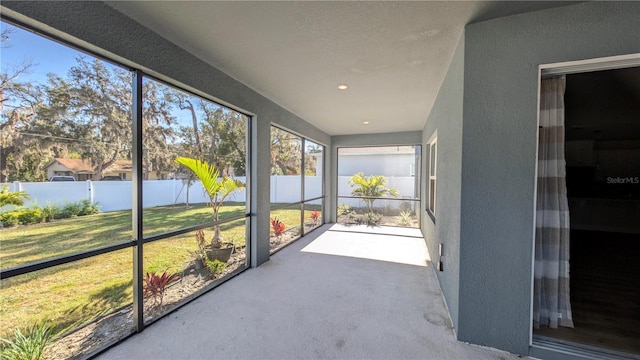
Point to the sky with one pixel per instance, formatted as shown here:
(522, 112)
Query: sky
(47, 56)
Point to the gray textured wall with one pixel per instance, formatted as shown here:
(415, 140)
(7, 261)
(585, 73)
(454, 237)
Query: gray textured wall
(108, 32)
(446, 118)
(399, 138)
(499, 151)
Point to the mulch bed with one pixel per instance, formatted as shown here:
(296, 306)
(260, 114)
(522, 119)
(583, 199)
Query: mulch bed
(85, 341)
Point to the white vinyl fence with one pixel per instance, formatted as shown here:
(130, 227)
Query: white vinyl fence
(117, 195)
(404, 184)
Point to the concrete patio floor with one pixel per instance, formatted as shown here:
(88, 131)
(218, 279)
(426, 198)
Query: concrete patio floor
(337, 293)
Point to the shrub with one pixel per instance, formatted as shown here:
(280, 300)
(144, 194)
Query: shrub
(49, 212)
(372, 219)
(38, 214)
(277, 226)
(12, 197)
(155, 285)
(9, 219)
(86, 208)
(406, 217)
(343, 209)
(315, 215)
(215, 266)
(22, 216)
(30, 216)
(28, 345)
(70, 210)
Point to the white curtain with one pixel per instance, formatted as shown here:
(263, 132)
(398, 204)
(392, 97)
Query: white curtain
(551, 306)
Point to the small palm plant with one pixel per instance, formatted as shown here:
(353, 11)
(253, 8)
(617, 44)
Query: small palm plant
(369, 188)
(217, 189)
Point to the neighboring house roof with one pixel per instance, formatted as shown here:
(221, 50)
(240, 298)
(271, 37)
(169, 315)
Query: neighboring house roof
(83, 166)
(120, 166)
(78, 166)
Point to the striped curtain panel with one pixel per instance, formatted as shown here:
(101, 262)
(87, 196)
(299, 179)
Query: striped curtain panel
(551, 306)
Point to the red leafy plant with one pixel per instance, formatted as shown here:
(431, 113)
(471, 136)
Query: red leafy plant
(155, 285)
(278, 227)
(315, 215)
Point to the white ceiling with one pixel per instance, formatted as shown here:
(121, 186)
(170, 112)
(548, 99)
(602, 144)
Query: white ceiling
(393, 55)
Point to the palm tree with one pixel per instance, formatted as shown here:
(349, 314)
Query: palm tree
(369, 188)
(217, 189)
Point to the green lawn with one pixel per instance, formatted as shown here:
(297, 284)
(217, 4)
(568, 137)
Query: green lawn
(75, 293)
(291, 216)
(26, 244)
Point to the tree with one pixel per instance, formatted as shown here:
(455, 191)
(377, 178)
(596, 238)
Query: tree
(39, 121)
(218, 135)
(34, 127)
(234, 142)
(186, 104)
(212, 114)
(369, 188)
(157, 129)
(286, 153)
(228, 148)
(190, 145)
(88, 112)
(100, 99)
(14, 113)
(310, 161)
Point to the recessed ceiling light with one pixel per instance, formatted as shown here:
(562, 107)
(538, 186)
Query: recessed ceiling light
(343, 86)
(365, 122)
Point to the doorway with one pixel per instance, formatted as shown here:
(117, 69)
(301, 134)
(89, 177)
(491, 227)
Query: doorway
(602, 153)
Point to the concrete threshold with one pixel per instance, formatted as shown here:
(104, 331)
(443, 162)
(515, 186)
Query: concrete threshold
(334, 294)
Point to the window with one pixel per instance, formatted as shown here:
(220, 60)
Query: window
(296, 195)
(433, 155)
(65, 117)
(187, 229)
(69, 117)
